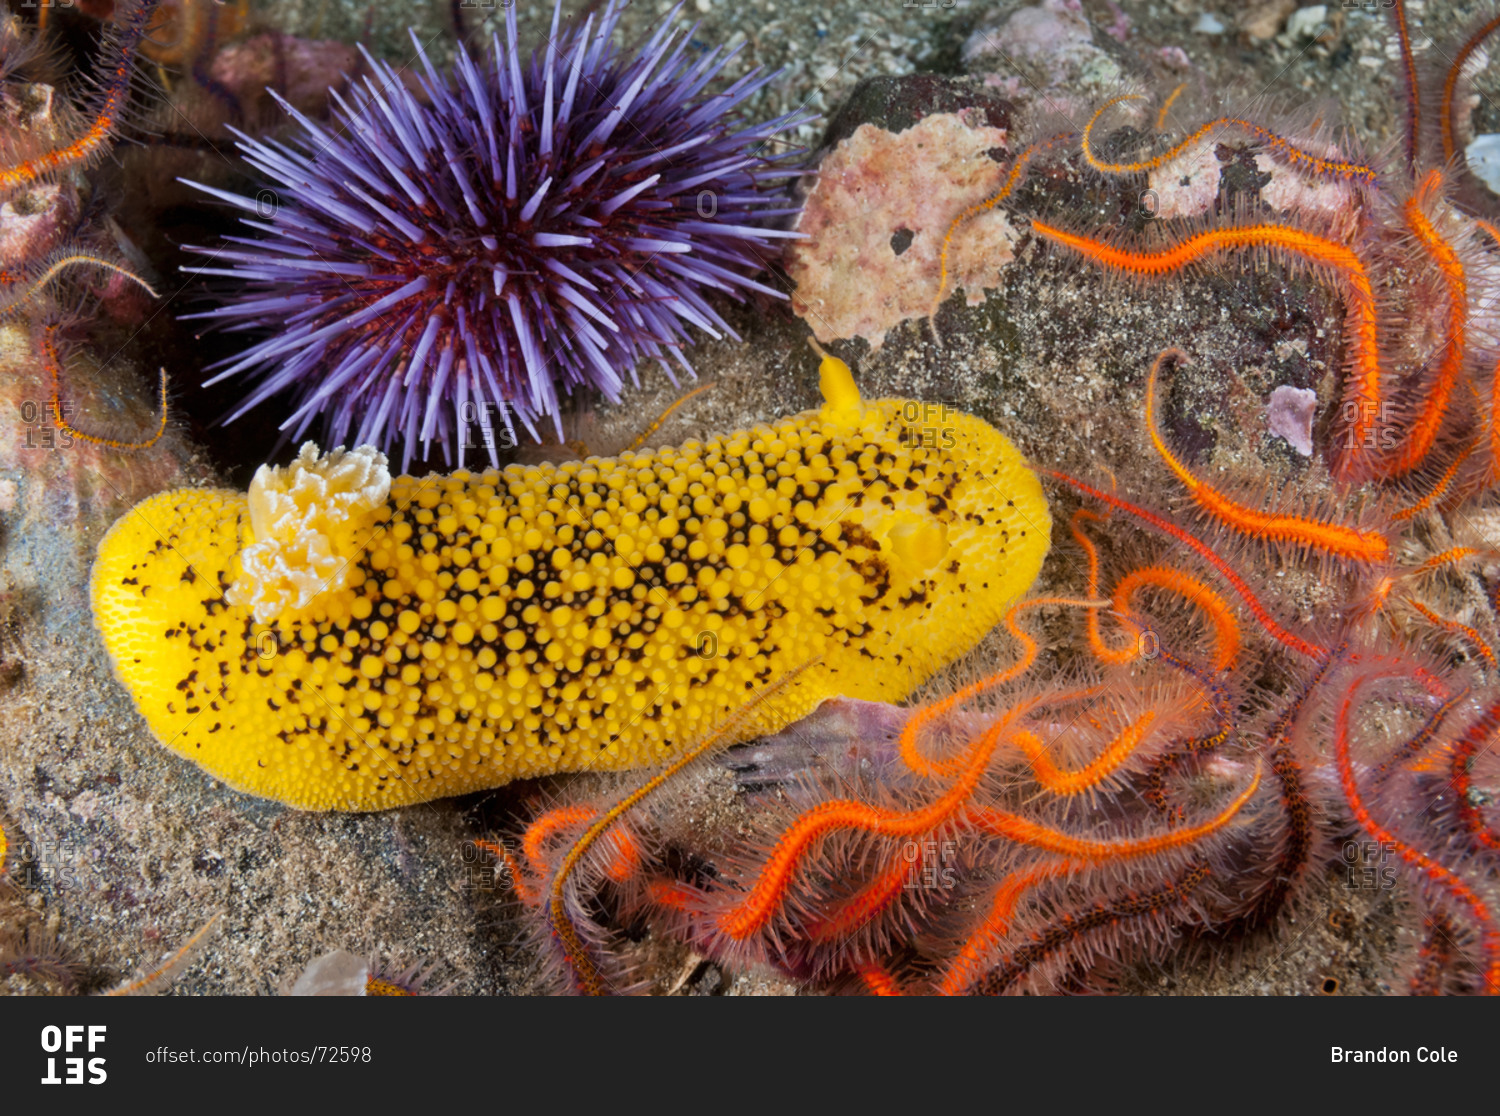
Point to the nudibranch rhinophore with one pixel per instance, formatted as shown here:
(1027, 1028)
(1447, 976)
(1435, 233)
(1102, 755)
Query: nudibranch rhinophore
(341, 640)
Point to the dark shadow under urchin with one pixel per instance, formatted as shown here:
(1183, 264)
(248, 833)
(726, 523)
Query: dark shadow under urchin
(469, 255)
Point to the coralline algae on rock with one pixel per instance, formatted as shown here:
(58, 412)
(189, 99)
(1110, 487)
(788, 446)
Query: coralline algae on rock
(1190, 183)
(875, 224)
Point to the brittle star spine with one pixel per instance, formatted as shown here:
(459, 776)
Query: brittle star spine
(1012, 180)
(20, 287)
(1472, 635)
(584, 968)
(1367, 400)
(53, 363)
(1166, 106)
(1450, 85)
(1419, 743)
(765, 898)
(105, 116)
(1189, 588)
(1294, 155)
(1262, 615)
(1000, 824)
(1439, 874)
(1072, 925)
(1480, 734)
(1439, 488)
(1426, 424)
(775, 877)
(1330, 538)
(1494, 424)
(1411, 85)
(911, 754)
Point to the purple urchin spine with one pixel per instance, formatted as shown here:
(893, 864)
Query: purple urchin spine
(530, 230)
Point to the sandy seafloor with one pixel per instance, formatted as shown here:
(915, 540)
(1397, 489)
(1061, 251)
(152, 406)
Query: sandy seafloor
(125, 849)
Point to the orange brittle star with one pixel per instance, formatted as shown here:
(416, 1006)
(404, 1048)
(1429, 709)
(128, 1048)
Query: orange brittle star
(1293, 155)
(53, 364)
(105, 113)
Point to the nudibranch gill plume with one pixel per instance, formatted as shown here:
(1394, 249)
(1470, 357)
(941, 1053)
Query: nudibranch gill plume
(338, 639)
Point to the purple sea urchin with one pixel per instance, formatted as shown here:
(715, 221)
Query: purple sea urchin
(499, 238)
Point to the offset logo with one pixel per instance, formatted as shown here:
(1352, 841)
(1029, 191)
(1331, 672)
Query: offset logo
(929, 424)
(66, 1040)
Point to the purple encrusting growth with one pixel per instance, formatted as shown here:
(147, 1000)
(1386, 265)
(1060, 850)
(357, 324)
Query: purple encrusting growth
(530, 230)
(1289, 413)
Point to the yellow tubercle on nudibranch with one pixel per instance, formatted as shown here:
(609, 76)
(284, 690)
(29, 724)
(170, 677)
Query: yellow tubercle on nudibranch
(343, 640)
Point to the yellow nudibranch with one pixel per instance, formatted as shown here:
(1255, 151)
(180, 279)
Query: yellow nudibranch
(341, 640)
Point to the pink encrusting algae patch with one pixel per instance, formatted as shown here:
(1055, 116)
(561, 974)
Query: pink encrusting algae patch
(893, 196)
